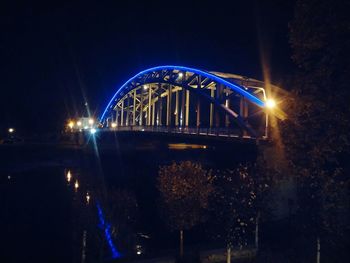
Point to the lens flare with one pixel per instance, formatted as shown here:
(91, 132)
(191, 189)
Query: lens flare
(270, 103)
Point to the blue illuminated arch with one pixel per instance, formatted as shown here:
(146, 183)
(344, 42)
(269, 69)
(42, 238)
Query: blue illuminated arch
(233, 86)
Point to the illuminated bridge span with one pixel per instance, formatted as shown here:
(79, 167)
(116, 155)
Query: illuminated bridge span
(186, 100)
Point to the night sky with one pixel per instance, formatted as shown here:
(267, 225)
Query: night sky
(54, 57)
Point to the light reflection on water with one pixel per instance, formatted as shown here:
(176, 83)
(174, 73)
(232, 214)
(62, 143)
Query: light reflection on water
(106, 227)
(103, 224)
(54, 219)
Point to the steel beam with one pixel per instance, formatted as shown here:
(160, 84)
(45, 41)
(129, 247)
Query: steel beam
(141, 107)
(227, 105)
(243, 111)
(177, 108)
(117, 115)
(168, 108)
(211, 113)
(128, 110)
(183, 95)
(149, 106)
(134, 110)
(153, 112)
(187, 107)
(218, 97)
(122, 114)
(160, 122)
(198, 107)
(198, 113)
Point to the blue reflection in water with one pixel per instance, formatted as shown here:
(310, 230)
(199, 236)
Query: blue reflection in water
(107, 231)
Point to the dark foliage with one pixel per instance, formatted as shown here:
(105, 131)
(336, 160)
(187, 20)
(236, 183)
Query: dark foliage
(316, 135)
(241, 196)
(185, 189)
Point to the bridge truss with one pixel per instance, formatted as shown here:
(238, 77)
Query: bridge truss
(186, 100)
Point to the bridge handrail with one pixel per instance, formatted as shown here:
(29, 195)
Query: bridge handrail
(201, 131)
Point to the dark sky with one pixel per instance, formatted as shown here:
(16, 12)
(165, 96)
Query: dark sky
(54, 55)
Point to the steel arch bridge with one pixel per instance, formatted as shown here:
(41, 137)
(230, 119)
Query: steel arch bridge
(187, 100)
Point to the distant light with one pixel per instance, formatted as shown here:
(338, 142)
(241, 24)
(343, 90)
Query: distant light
(71, 124)
(69, 176)
(91, 121)
(92, 130)
(142, 129)
(9, 177)
(79, 123)
(145, 87)
(87, 197)
(114, 125)
(181, 75)
(86, 127)
(138, 249)
(11, 130)
(76, 185)
(270, 103)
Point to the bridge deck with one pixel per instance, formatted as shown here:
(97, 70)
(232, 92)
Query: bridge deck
(202, 132)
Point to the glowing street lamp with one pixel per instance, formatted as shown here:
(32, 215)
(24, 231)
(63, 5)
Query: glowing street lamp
(87, 197)
(114, 125)
(92, 130)
(71, 124)
(79, 123)
(69, 176)
(145, 87)
(91, 121)
(76, 185)
(270, 103)
(11, 130)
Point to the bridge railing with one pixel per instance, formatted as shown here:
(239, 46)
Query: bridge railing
(200, 131)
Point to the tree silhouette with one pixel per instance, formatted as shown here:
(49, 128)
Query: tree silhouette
(316, 136)
(185, 189)
(239, 199)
